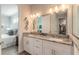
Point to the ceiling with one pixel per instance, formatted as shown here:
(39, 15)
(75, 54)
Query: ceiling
(9, 9)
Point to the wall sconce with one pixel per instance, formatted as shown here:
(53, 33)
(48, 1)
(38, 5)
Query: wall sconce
(63, 7)
(56, 9)
(50, 11)
(34, 15)
(31, 16)
(38, 14)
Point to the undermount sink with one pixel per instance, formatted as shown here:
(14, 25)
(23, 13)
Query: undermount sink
(56, 39)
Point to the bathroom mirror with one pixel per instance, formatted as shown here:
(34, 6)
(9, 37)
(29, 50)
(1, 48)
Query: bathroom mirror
(76, 20)
(44, 24)
(39, 25)
(62, 22)
(59, 23)
(55, 23)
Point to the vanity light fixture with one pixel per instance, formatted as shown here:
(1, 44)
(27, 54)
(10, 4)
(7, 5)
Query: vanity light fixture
(56, 9)
(50, 11)
(31, 16)
(34, 15)
(38, 14)
(63, 7)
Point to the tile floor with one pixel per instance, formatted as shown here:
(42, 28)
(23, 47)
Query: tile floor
(13, 50)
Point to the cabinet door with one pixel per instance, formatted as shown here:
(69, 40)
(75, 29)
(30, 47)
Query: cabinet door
(31, 45)
(46, 24)
(61, 49)
(47, 49)
(26, 44)
(51, 48)
(37, 47)
(37, 50)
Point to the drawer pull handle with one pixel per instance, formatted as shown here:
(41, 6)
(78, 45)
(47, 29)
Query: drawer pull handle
(37, 40)
(36, 46)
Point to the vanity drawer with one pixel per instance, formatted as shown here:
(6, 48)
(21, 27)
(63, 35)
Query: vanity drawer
(37, 46)
(37, 42)
(38, 50)
(26, 44)
(58, 48)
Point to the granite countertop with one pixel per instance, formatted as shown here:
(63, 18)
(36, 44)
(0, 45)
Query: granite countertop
(75, 41)
(58, 39)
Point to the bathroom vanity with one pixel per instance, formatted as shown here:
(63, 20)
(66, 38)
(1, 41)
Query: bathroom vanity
(47, 45)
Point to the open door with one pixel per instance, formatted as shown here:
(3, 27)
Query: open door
(8, 29)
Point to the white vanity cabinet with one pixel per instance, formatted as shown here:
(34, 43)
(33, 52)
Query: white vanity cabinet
(33, 45)
(28, 44)
(37, 46)
(53, 48)
(47, 49)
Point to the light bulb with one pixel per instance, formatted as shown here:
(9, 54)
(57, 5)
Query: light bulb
(56, 9)
(38, 14)
(50, 10)
(33, 15)
(63, 7)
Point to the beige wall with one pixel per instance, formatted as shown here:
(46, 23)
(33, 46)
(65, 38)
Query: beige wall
(42, 8)
(74, 36)
(69, 20)
(24, 10)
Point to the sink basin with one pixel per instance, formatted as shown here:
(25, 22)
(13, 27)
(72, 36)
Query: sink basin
(55, 39)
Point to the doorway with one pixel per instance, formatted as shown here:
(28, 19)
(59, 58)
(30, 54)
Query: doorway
(9, 29)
